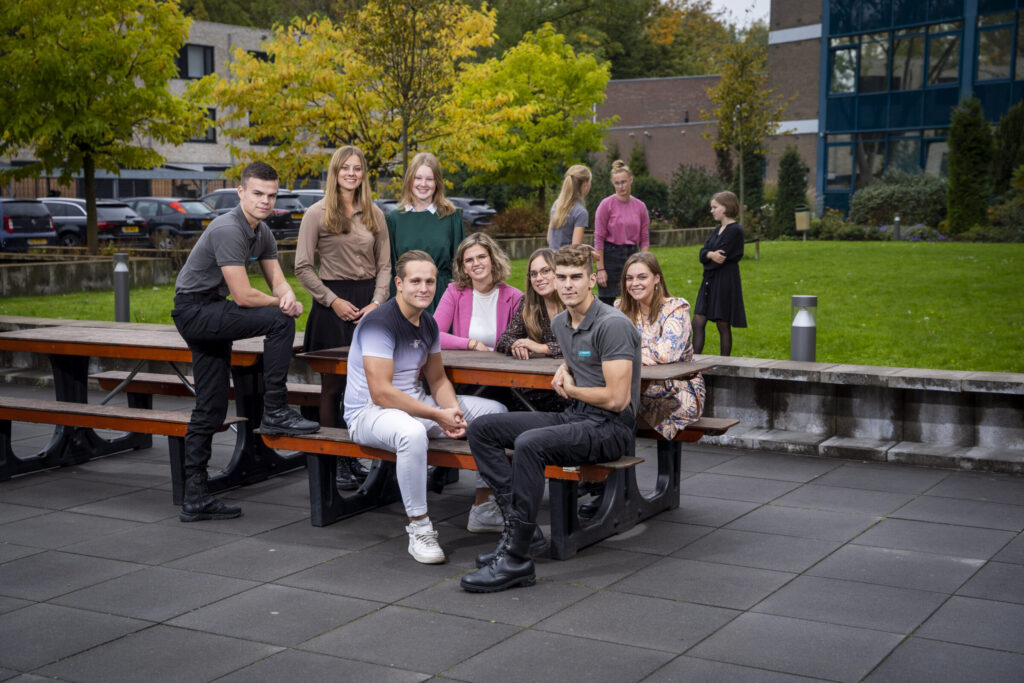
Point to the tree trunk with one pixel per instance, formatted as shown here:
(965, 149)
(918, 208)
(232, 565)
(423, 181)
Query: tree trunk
(405, 145)
(541, 197)
(742, 214)
(89, 178)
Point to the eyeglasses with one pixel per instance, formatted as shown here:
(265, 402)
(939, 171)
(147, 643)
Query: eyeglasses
(543, 272)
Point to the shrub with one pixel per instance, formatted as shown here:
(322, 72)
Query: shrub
(826, 227)
(522, 217)
(753, 179)
(970, 164)
(638, 160)
(690, 193)
(914, 197)
(651, 192)
(600, 186)
(1008, 150)
(792, 192)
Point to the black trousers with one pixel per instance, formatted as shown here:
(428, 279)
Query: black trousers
(565, 439)
(209, 324)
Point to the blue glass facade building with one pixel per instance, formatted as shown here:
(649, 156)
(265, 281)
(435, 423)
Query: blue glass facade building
(892, 71)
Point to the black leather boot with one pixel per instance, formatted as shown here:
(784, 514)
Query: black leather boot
(538, 546)
(350, 475)
(199, 504)
(286, 421)
(512, 565)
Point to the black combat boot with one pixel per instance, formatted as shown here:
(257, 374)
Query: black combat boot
(199, 504)
(351, 474)
(512, 565)
(538, 544)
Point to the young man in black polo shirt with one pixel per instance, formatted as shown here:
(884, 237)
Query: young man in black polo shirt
(601, 375)
(209, 322)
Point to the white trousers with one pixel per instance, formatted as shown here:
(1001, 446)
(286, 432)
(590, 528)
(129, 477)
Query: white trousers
(407, 437)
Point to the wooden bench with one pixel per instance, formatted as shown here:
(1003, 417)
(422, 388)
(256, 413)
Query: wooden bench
(172, 424)
(622, 506)
(171, 385)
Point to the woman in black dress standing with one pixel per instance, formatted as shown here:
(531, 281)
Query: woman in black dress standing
(720, 297)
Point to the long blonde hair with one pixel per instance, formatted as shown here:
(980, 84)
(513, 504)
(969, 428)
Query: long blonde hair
(629, 306)
(534, 306)
(441, 203)
(500, 267)
(335, 220)
(571, 194)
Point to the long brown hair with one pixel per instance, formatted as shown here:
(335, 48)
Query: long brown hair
(335, 220)
(534, 306)
(571, 194)
(629, 306)
(500, 268)
(441, 203)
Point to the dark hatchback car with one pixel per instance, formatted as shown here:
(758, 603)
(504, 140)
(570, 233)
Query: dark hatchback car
(284, 222)
(25, 223)
(476, 213)
(115, 221)
(172, 219)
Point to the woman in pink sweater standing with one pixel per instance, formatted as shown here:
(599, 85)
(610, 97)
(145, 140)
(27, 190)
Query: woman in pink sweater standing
(621, 228)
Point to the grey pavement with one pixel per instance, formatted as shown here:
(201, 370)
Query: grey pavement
(773, 568)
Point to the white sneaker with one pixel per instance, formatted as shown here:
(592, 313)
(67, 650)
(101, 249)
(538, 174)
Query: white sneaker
(423, 545)
(485, 517)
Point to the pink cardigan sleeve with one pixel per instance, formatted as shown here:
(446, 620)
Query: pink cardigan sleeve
(447, 314)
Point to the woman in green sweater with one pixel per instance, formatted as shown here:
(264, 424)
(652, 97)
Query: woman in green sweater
(425, 220)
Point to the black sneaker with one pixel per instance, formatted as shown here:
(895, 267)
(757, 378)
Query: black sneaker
(348, 476)
(287, 421)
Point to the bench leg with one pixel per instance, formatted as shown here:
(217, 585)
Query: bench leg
(327, 505)
(176, 444)
(11, 464)
(617, 513)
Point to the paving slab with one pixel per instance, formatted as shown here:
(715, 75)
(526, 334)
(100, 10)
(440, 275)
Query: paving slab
(11, 513)
(992, 488)
(411, 639)
(160, 654)
(983, 623)
(538, 656)
(293, 665)
(798, 646)
(598, 566)
(688, 668)
(730, 487)
(964, 511)
(658, 537)
(704, 511)
(46, 575)
(141, 545)
(639, 621)
(155, 593)
(997, 581)
(899, 568)
(1013, 552)
(148, 505)
(63, 493)
(883, 477)
(278, 615)
(256, 518)
(820, 524)
(920, 660)
(763, 551)
(772, 466)
(705, 583)
(255, 559)
(59, 529)
(851, 603)
(843, 499)
(931, 537)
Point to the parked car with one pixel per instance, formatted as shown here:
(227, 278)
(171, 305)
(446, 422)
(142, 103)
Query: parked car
(309, 197)
(25, 223)
(284, 222)
(115, 220)
(476, 213)
(172, 219)
(386, 205)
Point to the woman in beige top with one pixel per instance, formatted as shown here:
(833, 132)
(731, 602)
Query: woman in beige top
(350, 234)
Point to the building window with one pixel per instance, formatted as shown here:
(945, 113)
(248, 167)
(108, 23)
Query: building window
(210, 133)
(870, 158)
(874, 63)
(908, 62)
(995, 46)
(943, 53)
(260, 55)
(844, 71)
(839, 172)
(905, 154)
(195, 61)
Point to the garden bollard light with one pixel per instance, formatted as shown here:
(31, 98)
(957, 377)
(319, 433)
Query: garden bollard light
(122, 307)
(803, 333)
(896, 229)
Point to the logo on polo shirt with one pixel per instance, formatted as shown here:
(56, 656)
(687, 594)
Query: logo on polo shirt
(584, 354)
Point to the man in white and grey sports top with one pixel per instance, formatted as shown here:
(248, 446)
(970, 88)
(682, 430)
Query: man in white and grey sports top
(385, 405)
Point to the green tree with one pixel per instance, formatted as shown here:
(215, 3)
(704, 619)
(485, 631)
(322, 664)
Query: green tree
(792, 191)
(1008, 151)
(532, 110)
(638, 159)
(382, 78)
(746, 110)
(86, 87)
(970, 163)
(690, 195)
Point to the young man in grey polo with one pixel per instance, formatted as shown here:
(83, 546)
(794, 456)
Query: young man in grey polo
(209, 322)
(601, 375)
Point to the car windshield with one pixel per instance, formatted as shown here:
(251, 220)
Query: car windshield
(195, 206)
(309, 200)
(289, 203)
(114, 212)
(16, 209)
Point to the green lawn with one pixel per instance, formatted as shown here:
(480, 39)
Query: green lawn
(929, 305)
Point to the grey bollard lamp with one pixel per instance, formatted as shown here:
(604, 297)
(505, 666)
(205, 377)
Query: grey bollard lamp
(122, 306)
(803, 335)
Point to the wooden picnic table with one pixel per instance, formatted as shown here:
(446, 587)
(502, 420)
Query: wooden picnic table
(70, 348)
(623, 504)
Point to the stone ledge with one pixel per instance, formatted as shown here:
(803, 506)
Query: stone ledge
(851, 448)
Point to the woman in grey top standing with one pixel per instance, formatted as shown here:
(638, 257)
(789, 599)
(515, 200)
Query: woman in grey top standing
(569, 217)
(351, 236)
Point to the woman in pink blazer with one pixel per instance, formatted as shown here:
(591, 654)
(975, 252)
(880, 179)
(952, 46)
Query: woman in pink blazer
(476, 308)
(473, 313)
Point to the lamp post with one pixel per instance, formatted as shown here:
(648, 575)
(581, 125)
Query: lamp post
(803, 333)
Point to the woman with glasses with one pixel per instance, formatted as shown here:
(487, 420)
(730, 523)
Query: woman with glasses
(621, 228)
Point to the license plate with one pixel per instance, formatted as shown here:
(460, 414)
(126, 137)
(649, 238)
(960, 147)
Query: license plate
(206, 221)
(35, 242)
(130, 228)
(297, 216)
